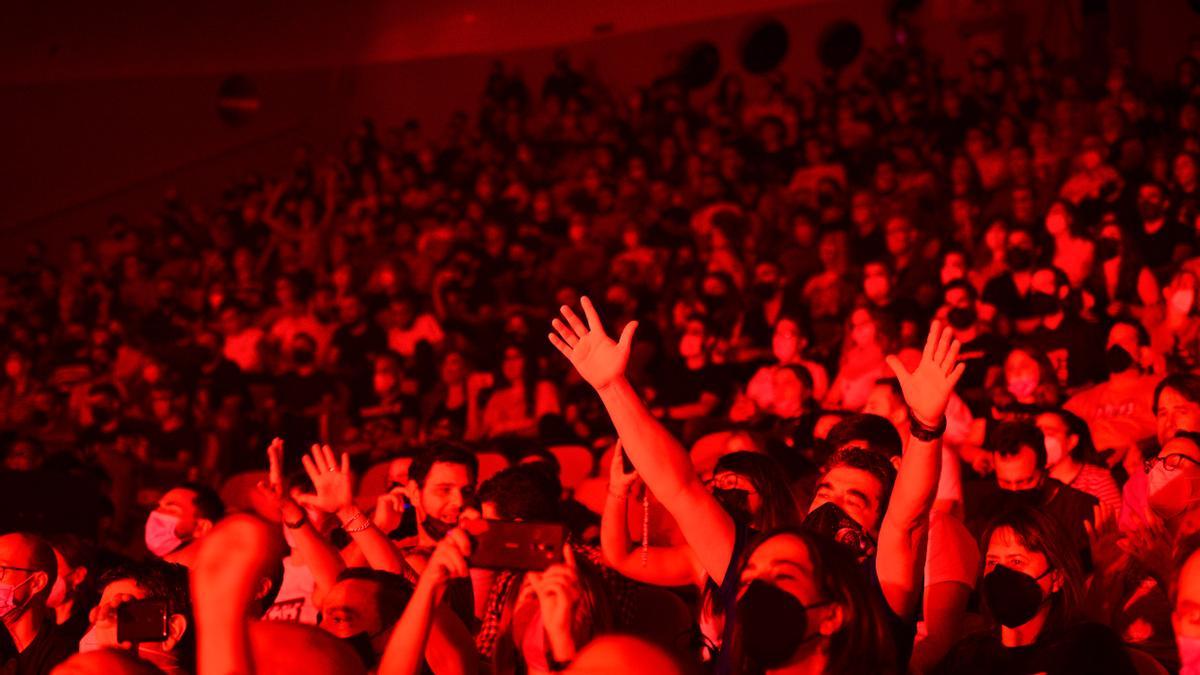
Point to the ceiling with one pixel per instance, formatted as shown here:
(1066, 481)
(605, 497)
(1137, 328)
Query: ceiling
(83, 39)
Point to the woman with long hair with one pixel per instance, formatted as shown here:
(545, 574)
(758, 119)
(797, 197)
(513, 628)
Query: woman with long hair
(751, 487)
(1032, 589)
(869, 338)
(804, 607)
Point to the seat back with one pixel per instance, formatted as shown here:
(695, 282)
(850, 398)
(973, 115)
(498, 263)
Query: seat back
(575, 464)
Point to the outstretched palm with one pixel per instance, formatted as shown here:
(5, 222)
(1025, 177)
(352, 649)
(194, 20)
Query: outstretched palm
(927, 389)
(599, 359)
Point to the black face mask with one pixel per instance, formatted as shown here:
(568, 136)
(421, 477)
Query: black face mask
(303, 357)
(361, 644)
(1150, 211)
(1013, 597)
(1107, 248)
(765, 290)
(436, 529)
(735, 502)
(1118, 359)
(1043, 304)
(1029, 497)
(832, 522)
(962, 318)
(771, 624)
(1019, 259)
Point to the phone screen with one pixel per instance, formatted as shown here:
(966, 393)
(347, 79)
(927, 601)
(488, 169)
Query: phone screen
(503, 544)
(142, 621)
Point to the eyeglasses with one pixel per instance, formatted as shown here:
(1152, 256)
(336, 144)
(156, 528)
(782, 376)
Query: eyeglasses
(1170, 462)
(730, 481)
(5, 568)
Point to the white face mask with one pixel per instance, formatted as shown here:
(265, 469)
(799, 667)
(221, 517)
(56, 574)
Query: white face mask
(1189, 655)
(1182, 300)
(8, 598)
(691, 346)
(1054, 450)
(161, 538)
(58, 592)
(1170, 493)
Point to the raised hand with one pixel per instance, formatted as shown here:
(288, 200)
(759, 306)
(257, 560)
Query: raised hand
(275, 462)
(558, 592)
(927, 389)
(333, 481)
(598, 359)
(1104, 538)
(389, 511)
(619, 482)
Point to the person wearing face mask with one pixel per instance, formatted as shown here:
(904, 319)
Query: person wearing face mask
(801, 607)
(1185, 618)
(183, 516)
(1176, 406)
(388, 415)
(982, 349)
(303, 391)
(153, 580)
(1054, 324)
(751, 487)
(1032, 593)
(1118, 410)
(1070, 455)
(879, 290)
(1019, 460)
(71, 596)
(1160, 236)
(30, 644)
(788, 343)
(1120, 283)
(1174, 324)
(691, 387)
(1008, 289)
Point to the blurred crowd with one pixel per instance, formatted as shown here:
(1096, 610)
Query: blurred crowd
(886, 372)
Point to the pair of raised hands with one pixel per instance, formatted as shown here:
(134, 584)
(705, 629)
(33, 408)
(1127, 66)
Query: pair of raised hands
(332, 480)
(601, 361)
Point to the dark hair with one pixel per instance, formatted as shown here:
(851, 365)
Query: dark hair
(208, 502)
(392, 591)
(162, 581)
(1143, 335)
(873, 431)
(1040, 533)
(963, 284)
(1009, 437)
(870, 461)
(769, 479)
(524, 492)
(1085, 447)
(1185, 384)
(442, 452)
(863, 644)
(41, 557)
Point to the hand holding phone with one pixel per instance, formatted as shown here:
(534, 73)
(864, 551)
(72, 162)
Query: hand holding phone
(621, 474)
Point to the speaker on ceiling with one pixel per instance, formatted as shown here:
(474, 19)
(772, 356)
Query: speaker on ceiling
(699, 65)
(765, 46)
(840, 43)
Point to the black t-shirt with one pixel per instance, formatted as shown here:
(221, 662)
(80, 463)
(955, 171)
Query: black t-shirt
(48, 649)
(1076, 346)
(985, 352)
(1158, 249)
(676, 384)
(1082, 649)
(984, 499)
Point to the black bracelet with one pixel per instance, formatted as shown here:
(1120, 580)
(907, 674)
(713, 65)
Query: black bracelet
(923, 432)
(298, 524)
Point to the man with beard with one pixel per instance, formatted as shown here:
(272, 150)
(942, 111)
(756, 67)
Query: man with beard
(1160, 236)
(1019, 458)
(441, 481)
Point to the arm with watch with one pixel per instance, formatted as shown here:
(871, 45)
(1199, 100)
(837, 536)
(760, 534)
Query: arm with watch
(899, 563)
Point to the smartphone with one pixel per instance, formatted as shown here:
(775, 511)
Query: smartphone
(505, 544)
(142, 621)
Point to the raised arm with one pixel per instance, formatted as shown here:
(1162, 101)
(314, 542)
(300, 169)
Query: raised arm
(333, 482)
(660, 459)
(662, 565)
(410, 638)
(904, 531)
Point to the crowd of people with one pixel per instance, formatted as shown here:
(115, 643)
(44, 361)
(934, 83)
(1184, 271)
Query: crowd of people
(897, 372)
